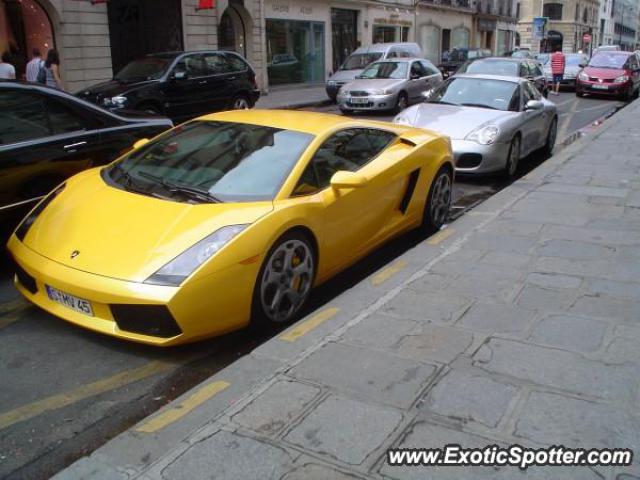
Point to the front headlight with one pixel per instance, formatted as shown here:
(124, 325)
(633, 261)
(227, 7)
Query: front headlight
(583, 76)
(117, 101)
(331, 83)
(24, 227)
(485, 135)
(178, 269)
(621, 79)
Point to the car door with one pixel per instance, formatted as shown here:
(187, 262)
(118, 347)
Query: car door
(221, 81)
(418, 81)
(44, 142)
(186, 91)
(355, 218)
(432, 75)
(535, 121)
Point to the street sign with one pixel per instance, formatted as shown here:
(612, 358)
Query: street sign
(586, 38)
(539, 28)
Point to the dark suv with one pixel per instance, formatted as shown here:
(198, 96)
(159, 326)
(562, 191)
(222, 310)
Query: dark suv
(460, 55)
(180, 85)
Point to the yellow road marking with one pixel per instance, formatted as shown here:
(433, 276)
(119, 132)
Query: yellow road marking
(54, 402)
(308, 325)
(441, 236)
(386, 273)
(169, 416)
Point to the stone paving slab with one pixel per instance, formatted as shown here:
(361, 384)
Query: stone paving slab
(521, 326)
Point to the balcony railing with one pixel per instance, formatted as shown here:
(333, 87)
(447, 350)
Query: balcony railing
(460, 4)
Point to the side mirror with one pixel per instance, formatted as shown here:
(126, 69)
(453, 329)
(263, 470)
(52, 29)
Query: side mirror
(534, 105)
(140, 143)
(179, 75)
(344, 179)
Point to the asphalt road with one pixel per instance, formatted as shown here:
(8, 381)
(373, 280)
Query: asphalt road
(66, 391)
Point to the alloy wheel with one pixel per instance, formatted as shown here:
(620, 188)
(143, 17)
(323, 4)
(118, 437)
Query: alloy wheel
(286, 280)
(514, 156)
(240, 103)
(440, 200)
(402, 102)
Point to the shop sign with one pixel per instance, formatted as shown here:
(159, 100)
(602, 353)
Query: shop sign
(286, 8)
(539, 28)
(391, 21)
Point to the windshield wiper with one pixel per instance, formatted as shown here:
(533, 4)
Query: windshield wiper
(481, 105)
(443, 103)
(193, 192)
(130, 182)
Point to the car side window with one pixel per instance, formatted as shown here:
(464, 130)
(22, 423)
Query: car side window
(236, 63)
(63, 119)
(348, 150)
(534, 92)
(514, 104)
(392, 54)
(216, 63)
(429, 68)
(194, 65)
(524, 70)
(416, 69)
(535, 70)
(22, 117)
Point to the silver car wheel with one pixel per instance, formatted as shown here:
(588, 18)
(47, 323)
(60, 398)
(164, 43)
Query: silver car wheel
(441, 199)
(240, 103)
(513, 157)
(286, 281)
(403, 101)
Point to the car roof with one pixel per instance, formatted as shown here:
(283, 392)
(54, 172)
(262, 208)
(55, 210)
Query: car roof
(502, 59)
(401, 59)
(483, 76)
(313, 123)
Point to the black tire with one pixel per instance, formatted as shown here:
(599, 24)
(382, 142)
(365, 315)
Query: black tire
(551, 137)
(513, 158)
(438, 199)
(402, 102)
(240, 102)
(283, 278)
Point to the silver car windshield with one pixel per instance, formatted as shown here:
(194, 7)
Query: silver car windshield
(493, 67)
(477, 92)
(386, 70)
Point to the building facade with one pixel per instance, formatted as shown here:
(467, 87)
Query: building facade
(625, 23)
(605, 23)
(572, 24)
(286, 41)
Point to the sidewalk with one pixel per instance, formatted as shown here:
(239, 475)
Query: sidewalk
(294, 96)
(517, 324)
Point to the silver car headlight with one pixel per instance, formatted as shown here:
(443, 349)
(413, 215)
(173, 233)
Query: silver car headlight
(331, 83)
(583, 76)
(485, 135)
(178, 269)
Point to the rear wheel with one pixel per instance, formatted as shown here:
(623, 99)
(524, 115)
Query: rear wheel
(285, 280)
(551, 137)
(513, 157)
(240, 102)
(436, 210)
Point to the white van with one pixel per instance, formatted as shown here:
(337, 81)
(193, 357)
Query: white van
(363, 56)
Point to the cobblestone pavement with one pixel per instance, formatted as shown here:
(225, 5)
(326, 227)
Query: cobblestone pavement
(518, 323)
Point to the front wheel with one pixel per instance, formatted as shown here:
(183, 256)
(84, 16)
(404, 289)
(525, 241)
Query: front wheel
(402, 103)
(513, 157)
(285, 280)
(436, 210)
(240, 102)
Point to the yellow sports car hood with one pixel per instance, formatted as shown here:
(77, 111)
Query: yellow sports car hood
(100, 229)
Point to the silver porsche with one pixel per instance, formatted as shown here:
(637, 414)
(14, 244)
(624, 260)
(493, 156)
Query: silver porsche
(493, 121)
(389, 85)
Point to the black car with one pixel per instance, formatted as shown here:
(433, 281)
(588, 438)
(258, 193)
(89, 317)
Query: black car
(460, 55)
(47, 135)
(180, 85)
(510, 67)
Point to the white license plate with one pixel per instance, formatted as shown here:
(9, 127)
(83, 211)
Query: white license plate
(600, 87)
(70, 301)
(359, 100)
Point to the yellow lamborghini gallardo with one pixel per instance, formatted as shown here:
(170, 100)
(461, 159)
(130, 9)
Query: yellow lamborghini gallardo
(228, 219)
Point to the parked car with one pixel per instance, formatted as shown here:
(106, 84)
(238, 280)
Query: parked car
(389, 85)
(493, 121)
(522, 53)
(47, 135)
(364, 56)
(226, 220)
(180, 85)
(510, 67)
(606, 48)
(573, 65)
(460, 55)
(613, 73)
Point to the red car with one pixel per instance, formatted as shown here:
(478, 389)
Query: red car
(610, 73)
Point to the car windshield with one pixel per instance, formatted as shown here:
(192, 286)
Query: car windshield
(208, 162)
(148, 68)
(476, 92)
(608, 60)
(386, 70)
(492, 67)
(358, 61)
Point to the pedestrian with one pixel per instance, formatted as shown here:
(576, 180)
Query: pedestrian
(52, 67)
(33, 67)
(557, 69)
(7, 71)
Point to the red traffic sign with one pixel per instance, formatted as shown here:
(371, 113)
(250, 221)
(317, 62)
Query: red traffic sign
(586, 38)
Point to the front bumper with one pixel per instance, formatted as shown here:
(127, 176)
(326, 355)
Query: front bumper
(473, 158)
(208, 307)
(601, 88)
(371, 102)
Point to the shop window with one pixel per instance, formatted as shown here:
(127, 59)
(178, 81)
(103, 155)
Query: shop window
(429, 40)
(460, 38)
(390, 34)
(553, 11)
(24, 25)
